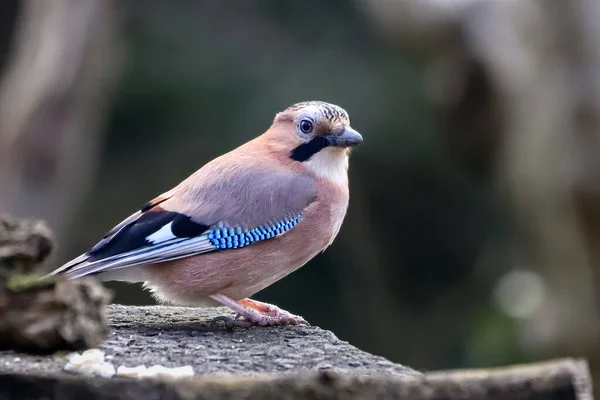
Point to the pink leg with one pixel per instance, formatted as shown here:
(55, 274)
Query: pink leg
(256, 313)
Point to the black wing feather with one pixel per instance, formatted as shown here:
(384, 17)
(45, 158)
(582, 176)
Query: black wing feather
(135, 235)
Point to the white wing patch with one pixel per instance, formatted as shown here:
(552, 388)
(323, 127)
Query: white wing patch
(162, 235)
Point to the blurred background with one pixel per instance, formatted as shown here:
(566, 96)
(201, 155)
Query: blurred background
(472, 237)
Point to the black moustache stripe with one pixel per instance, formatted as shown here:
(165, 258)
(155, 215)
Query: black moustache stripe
(306, 150)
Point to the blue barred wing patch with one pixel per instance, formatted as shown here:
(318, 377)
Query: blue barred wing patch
(224, 237)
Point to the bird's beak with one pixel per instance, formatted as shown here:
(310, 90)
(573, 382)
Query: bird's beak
(348, 138)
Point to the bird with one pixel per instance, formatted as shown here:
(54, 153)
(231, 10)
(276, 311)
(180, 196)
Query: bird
(240, 223)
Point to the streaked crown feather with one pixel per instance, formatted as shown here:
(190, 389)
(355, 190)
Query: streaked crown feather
(330, 112)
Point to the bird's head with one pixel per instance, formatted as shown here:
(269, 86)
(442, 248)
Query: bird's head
(315, 133)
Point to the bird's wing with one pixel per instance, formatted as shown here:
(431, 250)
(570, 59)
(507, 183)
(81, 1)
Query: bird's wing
(231, 211)
(115, 231)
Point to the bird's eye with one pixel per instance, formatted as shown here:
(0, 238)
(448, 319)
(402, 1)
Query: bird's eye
(306, 126)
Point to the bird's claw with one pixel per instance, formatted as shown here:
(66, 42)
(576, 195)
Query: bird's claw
(285, 317)
(262, 319)
(291, 319)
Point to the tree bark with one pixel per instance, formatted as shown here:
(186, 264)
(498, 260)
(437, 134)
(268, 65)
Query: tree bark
(269, 363)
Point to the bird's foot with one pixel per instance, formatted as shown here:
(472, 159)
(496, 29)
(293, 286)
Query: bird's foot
(252, 312)
(274, 312)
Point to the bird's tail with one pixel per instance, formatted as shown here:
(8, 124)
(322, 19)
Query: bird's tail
(66, 267)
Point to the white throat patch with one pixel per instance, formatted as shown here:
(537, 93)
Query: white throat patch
(330, 163)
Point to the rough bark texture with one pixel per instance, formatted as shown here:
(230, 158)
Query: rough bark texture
(41, 315)
(309, 362)
(176, 336)
(63, 315)
(24, 244)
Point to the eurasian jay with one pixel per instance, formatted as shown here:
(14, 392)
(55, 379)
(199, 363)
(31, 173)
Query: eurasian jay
(241, 222)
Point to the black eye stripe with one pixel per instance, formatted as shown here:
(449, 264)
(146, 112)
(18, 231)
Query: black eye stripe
(306, 150)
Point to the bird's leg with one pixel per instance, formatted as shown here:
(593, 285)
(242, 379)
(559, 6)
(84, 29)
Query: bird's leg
(256, 313)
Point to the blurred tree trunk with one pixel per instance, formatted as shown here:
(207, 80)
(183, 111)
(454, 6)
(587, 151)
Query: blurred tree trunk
(53, 101)
(519, 85)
